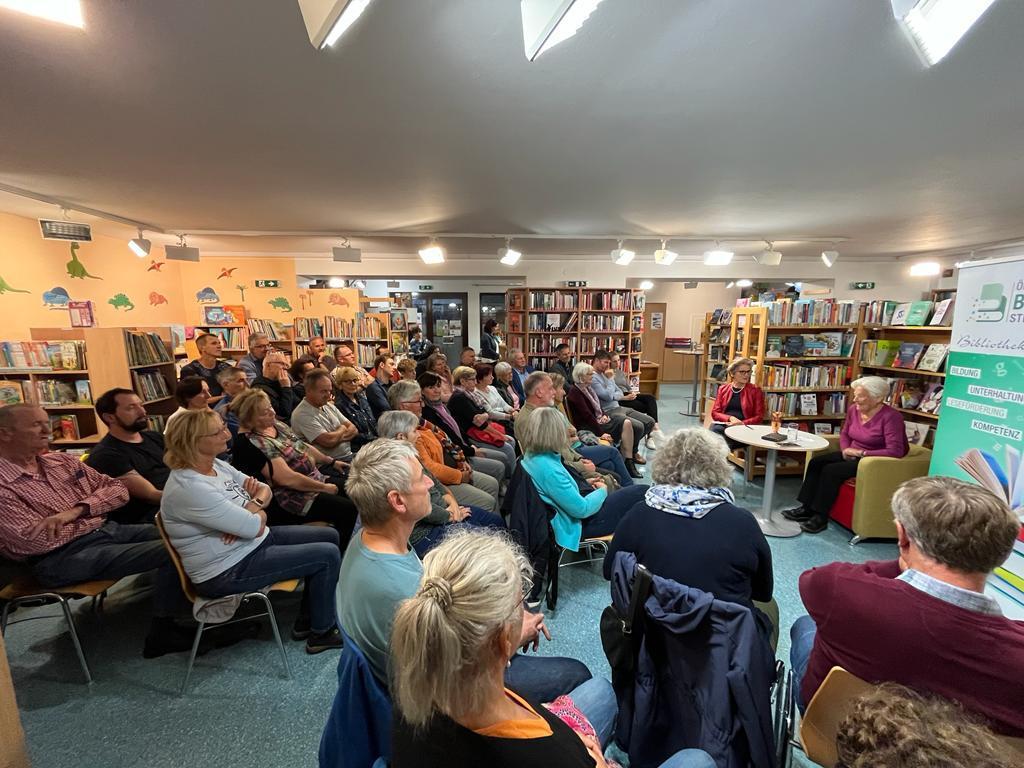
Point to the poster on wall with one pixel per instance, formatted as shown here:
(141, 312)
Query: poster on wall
(980, 436)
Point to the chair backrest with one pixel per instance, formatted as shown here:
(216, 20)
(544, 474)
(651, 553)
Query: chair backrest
(186, 583)
(830, 704)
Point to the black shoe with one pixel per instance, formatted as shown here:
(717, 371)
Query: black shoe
(814, 525)
(631, 468)
(222, 637)
(167, 637)
(798, 514)
(301, 629)
(326, 641)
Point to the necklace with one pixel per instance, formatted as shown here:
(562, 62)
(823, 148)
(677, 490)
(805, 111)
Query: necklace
(736, 391)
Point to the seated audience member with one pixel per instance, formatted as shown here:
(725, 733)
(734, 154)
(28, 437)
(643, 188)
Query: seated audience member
(469, 408)
(252, 363)
(467, 357)
(638, 401)
(383, 377)
(895, 726)
(352, 402)
(437, 363)
(234, 381)
(436, 412)
(346, 358)
(871, 428)
(441, 456)
(452, 713)
(55, 522)
(318, 421)
(429, 350)
(603, 385)
(445, 510)
(319, 355)
(690, 530)
(406, 369)
(520, 370)
(562, 365)
(192, 394)
(587, 414)
(504, 387)
(297, 373)
(277, 385)
(497, 408)
(269, 449)
(208, 364)
(379, 570)
(739, 401)
(589, 461)
(131, 453)
(923, 621)
(216, 519)
(489, 341)
(580, 512)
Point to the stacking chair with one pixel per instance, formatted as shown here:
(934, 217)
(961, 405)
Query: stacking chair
(24, 589)
(289, 585)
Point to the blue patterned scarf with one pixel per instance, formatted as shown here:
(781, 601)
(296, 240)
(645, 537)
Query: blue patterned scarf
(687, 500)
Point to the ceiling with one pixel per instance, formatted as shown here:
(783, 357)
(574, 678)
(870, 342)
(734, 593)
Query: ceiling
(779, 119)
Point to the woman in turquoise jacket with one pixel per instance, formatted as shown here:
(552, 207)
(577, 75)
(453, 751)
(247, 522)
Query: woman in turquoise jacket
(584, 508)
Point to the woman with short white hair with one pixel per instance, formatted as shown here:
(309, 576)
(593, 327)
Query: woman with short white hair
(588, 414)
(871, 428)
(503, 385)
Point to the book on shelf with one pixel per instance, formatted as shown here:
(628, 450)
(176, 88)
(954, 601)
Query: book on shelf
(638, 324)
(823, 344)
(369, 327)
(634, 383)
(83, 393)
(275, 330)
(919, 312)
(812, 311)
(808, 404)
(793, 346)
(64, 427)
(716, 317)
(307, 327)
(233, 314)
(933, 357)
(177, 339)
(515, 301)
(399, 343)
(905, 393)
(399, 320)
(917, 432)
(908, 354)
(879, 352)
(879, 312)
(608, 301)
(13, 392)
(231, 338)
(150, 385)
(726, 317)
(156, 422)
(931, 402)
(59, 392)
(899, 315)
(639, 302)
(943, 314)
(81, 314)
(339, 328)
(146, 348)
(805, 375)
(773, 345)
(822, 428)
(717, 372)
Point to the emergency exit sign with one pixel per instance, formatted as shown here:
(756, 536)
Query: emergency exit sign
(862, 286)
(426, 287)
(267, 283)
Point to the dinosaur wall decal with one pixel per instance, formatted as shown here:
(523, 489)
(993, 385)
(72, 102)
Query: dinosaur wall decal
(5, 287)
(76, 268)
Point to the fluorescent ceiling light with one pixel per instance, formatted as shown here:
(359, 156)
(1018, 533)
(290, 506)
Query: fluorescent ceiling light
(646, 285)
(62, 11)
(546, 23)
(508, 255)
(769, 257)
(432, 254)
(622, 256)
(744, 283)
(664, 256)
(936, 26)
(717, 258)
(327, 20)
(140, 246)
(830, 258)
(925, 269)
(336, 282)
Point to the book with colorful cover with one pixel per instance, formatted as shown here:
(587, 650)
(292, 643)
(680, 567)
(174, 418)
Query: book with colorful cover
(808, 404)
(931, 402)
(917, 432)
(822, 428)
(773, 346)
(919, 312)
(899, 315)
(794, 346)
(908, 355)
(943, 314)
(885, 352)
(11, 393)
(933, 358)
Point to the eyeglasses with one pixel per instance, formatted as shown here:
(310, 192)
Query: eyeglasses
(742, 370)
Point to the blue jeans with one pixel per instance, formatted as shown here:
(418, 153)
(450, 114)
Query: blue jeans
(607, 458)
(801, 636)
(612, 511)
(478, 518)
(288, 552)
(543, 679)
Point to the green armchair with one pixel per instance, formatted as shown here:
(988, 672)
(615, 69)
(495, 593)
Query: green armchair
(863, 504)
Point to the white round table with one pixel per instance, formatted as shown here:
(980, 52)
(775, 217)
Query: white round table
(752, 436)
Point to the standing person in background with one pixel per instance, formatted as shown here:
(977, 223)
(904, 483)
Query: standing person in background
(638, 401)
(319, 354)
(562, 365)
(252, 363)
(489, 341)
(277, 385)
(383, 376)
(417, 343)
(234, 381)
(209, 364)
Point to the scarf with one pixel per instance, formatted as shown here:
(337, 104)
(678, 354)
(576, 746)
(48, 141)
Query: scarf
(687, 500)
(476, 396)
(591, 396)
(445, 414)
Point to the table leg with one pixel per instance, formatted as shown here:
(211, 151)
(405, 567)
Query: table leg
(771, 526)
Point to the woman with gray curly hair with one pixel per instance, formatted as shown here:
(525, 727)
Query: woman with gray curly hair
(690, 530)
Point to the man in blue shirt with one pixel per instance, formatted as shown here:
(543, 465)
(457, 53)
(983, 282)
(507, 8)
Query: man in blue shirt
(608, 393)
(520, 370)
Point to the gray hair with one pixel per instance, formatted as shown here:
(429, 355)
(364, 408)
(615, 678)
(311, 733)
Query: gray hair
(502, 367)
(446, 637)
(580, 370)
(394, 423)
(402, 392)
(544, 432)
(876, 386)
(960, 525)
(379, 468)
(255, 338)
(227, 374)
(693, 457)
(533, 381)
(737, 362)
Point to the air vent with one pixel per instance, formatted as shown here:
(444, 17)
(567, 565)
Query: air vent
(65, 230)
(181, 253)
(347, 254)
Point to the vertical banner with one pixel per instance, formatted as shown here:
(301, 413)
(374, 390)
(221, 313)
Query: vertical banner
(980, 437)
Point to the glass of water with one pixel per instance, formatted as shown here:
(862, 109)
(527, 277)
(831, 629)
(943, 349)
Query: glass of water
(792, 432)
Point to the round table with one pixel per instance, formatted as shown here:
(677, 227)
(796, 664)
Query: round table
(752, 435)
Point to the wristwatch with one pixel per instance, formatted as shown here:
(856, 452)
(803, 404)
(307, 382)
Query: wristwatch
(259, 502)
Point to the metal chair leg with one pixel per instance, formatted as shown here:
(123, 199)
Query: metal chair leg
(74, 638)
(277, 632)
(192, 657)
(855, 541)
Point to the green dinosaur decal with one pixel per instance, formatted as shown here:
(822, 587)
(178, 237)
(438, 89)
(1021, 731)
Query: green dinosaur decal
(5, 287)
(281, 303)
(77, 268)
(121, 301)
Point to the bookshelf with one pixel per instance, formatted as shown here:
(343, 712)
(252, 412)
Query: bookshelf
(235, 339)
(515, 319)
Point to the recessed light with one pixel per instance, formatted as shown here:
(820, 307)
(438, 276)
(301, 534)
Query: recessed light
(744, 283)
(646, 285)
(62, 11)
(925, 269)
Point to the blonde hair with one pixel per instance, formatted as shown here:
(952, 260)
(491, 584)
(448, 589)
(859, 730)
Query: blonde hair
(737, 362)
(557, 380)
(344, 373)
(246, 404)
(462, 372)
(445, 640)
(695, 457)
(544, 432)
(181, 438)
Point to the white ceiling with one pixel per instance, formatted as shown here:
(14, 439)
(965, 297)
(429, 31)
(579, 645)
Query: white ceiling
(776, 119)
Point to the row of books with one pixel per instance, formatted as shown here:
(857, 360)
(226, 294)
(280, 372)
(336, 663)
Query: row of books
(307, 327)
(339, 328)
(146, 348)
(13, 392)
(275, 330)
(805, 375)
(156, 422)
(546, 344)
(811, 311)
(590, 344)
(610, 300)
(912, 313)
(514, 323)
(823, 344)
(719, 336)
(370, 327)
(366, 352)
(553, 321)
(68, 355)
(603, 323)
(231, 338)
(150, 385)
(63, 392)
(806, 403)
(915, 395)
(636, 344)
(554, 300)
(891, 353)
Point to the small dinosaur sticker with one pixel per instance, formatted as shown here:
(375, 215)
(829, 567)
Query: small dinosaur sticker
(76, 268)
(155, 266)
(226, 272)
(156, 298)
(5, 287)
(207, 296)
(56, 298)
(337, 299)
(280, 302)
(120, 301)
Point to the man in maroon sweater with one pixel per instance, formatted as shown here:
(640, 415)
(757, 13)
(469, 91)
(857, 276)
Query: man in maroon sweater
(924, 620)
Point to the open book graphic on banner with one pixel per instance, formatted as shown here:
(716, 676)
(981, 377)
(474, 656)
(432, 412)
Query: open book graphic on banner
(1005, 480)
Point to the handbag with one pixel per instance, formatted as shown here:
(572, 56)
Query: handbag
(485, 436)
(621, 635)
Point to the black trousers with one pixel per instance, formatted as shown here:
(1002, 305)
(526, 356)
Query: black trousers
(644, 403)
(338, 511)
(825, 474)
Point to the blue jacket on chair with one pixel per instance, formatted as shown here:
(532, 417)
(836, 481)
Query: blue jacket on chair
(703, 677)
(358, 730)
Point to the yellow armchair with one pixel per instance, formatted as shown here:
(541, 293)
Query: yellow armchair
(877, 479)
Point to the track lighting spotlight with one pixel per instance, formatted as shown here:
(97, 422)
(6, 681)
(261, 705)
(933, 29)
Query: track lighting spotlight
(622, 256)
(769, 257)
(508, 255)
(140, 246)
(830, 258)
(181, 252)
(664, 256)
(433, 253)
(717, 257)
(730, 284)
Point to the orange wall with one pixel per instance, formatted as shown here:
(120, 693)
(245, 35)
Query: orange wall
(160, 296)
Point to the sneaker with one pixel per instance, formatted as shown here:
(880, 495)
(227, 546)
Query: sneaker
(655, 440)
(797, 514)
(814, 525)
(326, 641)
(301, 629)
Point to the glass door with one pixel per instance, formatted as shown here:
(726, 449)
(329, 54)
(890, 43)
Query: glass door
(445, 319)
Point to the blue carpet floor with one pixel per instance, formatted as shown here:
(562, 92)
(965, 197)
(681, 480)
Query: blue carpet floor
(241, 710)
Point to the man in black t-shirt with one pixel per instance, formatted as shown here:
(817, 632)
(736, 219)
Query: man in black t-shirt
(131, 453)
(208, 364)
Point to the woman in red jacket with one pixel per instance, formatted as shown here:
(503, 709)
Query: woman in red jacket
(738, 401)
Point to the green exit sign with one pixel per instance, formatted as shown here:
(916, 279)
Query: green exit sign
(426, 287)
(862, 286)
(267, 283)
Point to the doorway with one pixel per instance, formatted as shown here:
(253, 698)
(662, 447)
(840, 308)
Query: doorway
(445, 318)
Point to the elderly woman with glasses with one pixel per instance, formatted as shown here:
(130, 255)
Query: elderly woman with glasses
(469, 407)
(354, 406)
(738, 401)
(587, 414)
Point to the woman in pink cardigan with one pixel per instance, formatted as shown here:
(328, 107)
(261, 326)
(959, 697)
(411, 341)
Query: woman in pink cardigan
(872, 428)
